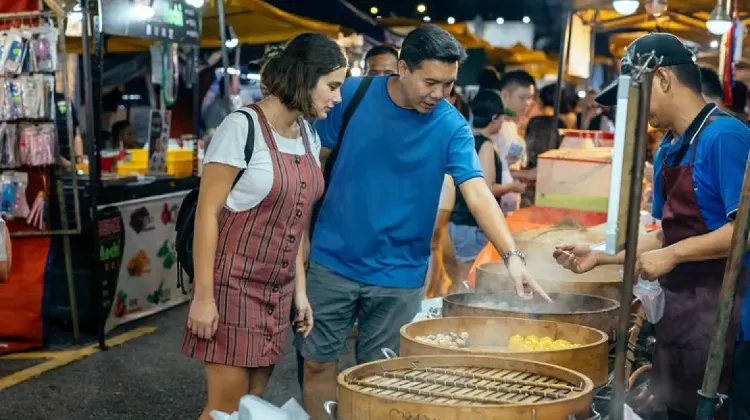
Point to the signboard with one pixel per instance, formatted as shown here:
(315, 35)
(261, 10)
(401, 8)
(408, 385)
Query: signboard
(171, 20)
(626, 120)
(137, 246)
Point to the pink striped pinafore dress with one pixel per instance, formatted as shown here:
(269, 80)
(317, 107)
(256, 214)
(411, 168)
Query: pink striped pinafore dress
(255, 263)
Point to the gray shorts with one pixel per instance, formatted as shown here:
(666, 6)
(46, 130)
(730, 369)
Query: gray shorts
(337, 302)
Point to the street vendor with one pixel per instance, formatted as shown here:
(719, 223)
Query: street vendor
(371, 243)
(698, 174)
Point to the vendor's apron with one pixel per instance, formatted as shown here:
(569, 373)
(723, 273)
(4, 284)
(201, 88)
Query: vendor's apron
(684, 334)
(254, 268)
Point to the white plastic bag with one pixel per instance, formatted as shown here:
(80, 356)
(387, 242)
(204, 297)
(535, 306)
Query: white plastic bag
(254, 408)
(652, 296)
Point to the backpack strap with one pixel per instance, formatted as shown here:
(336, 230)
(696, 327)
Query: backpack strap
(348, 114)
(249, 143)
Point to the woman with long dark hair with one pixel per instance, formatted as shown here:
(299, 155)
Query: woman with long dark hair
(251, 222)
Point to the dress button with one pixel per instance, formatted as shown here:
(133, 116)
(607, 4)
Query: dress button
(284, 264)
(303, 185)
(268, 338)
(270, 311)
(297, 160)
(299, 213)
(291, 239)
(275, 288)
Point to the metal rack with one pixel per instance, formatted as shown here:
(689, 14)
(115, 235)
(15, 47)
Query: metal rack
(65, 230)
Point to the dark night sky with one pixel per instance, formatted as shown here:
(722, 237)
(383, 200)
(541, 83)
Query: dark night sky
(546, 14)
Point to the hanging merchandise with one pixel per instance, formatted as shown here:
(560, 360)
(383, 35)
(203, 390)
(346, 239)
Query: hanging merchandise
(14, 51)
(38, 214)
(170, 71)
(43, 54)
(8, 144)
(36, 144)
(7, 195)
(21, 206)
(14, 98)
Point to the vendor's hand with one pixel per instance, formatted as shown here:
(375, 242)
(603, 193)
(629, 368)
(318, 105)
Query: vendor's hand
(203, 319)
(518, 187)
(578, 258)
(526, 285)
(303, 321)
(652, 265)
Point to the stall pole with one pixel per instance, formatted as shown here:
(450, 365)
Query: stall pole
(708, 399)
(561, 69)
(196, 94)
(638, 90)
(592, 56)
(94, 152)
(61, 192)
(223, 38)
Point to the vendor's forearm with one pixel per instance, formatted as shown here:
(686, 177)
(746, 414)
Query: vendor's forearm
(499, 190)
(204, 253)
(647, 242)
(487, 213)
(710, 246)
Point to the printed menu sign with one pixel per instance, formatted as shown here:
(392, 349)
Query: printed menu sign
(170, 20)
(110, 232)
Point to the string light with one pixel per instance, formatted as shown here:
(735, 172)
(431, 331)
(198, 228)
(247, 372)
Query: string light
(500, 21)
(421, 8)
(451, 20)
(374, 10)
(426, 19)
(526, 19)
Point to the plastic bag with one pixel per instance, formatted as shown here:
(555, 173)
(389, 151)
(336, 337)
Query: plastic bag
(14, 51)
(21, 206)
(14, 99)
(651, 295)
(254, 408)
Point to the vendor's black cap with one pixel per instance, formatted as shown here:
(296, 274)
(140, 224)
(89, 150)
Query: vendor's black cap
(665, 46)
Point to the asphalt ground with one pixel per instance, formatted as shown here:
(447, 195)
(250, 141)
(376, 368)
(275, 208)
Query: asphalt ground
(145, 378)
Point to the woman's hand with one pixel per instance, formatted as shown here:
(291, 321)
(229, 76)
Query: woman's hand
(303, 320)
(203, 319)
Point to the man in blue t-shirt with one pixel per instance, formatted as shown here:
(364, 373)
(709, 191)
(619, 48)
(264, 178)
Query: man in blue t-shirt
(698, 175)
(371, 243)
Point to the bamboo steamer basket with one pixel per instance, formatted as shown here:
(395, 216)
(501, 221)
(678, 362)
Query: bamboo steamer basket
(592, 311)
(458, 388)
(489, 336)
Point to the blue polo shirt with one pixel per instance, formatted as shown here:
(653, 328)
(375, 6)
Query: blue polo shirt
(718, 172)
(376, 221)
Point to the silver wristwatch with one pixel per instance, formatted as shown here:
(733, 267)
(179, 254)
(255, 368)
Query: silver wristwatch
(514, 252)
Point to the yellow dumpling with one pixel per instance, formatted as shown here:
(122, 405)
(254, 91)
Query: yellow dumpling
(546, 340)
(563, 343)
(544, 346)
(515, 340)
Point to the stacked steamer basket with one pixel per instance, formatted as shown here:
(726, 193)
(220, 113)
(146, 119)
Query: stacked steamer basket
(457, 388)
(575, 347)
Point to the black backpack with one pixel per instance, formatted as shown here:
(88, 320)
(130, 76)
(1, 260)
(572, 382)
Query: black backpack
(185, 223)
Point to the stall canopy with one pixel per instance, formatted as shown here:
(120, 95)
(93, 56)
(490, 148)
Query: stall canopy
(335, 11)
(460, 31)
(254, 21)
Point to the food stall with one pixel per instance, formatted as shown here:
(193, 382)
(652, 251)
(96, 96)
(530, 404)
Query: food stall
(129, 209)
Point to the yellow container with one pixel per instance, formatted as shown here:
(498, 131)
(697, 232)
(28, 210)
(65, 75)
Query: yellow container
(180, 163)
(138, 156)
(125, 169)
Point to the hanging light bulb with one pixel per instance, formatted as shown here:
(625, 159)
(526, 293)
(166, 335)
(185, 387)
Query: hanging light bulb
(451, 20)
(231, 40)
(142, 12)
(626, 7)
(655, 7)
(718, 22)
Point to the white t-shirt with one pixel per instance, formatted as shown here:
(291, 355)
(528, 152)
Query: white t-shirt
(227, 146)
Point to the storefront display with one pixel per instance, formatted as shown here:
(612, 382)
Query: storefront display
(137, 257)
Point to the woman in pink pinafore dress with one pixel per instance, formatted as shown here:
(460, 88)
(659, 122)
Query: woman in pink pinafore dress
(252, 221)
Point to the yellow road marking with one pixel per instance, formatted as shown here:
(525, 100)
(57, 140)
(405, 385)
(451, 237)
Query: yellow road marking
(31, 355)
(62, 358)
